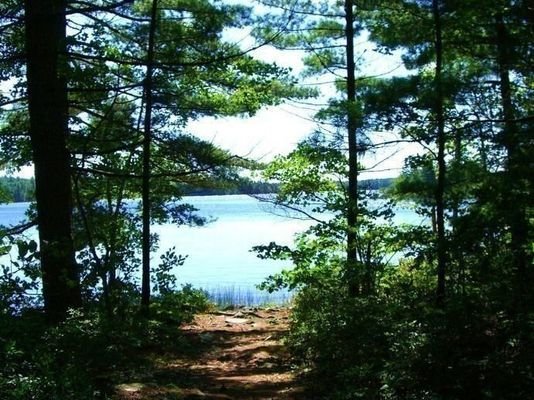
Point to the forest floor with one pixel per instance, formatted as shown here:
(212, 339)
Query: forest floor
(236, 354)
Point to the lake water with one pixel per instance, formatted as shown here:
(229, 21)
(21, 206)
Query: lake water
(219, 257)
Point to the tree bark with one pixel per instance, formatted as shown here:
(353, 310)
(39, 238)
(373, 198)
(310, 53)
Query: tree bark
(45, 36)
(147, 142)
(352, 124)
(514, 201)
(440, 139)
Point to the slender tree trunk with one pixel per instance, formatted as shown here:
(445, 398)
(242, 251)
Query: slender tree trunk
(440, 138)
(458, 157)
(352, 122)
(434, 220)
(47, 100)
(147, 142)
(482, 148)
(514, 201)
(110, 258)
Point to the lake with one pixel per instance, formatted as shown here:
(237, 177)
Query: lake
(219, 257)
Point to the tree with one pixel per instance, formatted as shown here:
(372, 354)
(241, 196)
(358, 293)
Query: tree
(186, 70)
(439, 112)
(48, 117)
(434, 103)
(101, 69)
(326, 32)
(451, 102)
(147, 143)
(515, 147)
(352, 124)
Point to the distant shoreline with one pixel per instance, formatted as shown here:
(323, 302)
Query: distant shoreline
(21, 190)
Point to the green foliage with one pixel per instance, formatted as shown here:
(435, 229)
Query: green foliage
(388, 339)
(312, 184)
(164, 280)
(391, 339)
(85, 356)
(397, 345)
(307, 175)
(175, 307)
(19, 275)
(343, 339)
(195, 73)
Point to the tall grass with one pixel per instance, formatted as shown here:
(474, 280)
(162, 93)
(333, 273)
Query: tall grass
(247, 296)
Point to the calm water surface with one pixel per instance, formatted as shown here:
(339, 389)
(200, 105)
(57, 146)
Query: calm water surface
(219, 253)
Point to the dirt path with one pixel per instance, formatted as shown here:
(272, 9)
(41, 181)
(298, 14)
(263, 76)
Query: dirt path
(239, 355)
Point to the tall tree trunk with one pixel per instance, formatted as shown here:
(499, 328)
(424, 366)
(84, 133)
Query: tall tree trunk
(514, 201)
(440, 139)
(352, 124)
(48, 110)
(147, 142)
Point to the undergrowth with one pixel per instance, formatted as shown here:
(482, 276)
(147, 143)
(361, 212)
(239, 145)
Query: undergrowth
(93, 350)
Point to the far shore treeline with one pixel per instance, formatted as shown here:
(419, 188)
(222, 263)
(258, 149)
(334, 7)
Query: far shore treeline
(17, 190)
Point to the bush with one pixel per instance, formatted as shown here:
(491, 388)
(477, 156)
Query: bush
(180, 306)
(398, 345)
(342, 340)
(83, 357)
